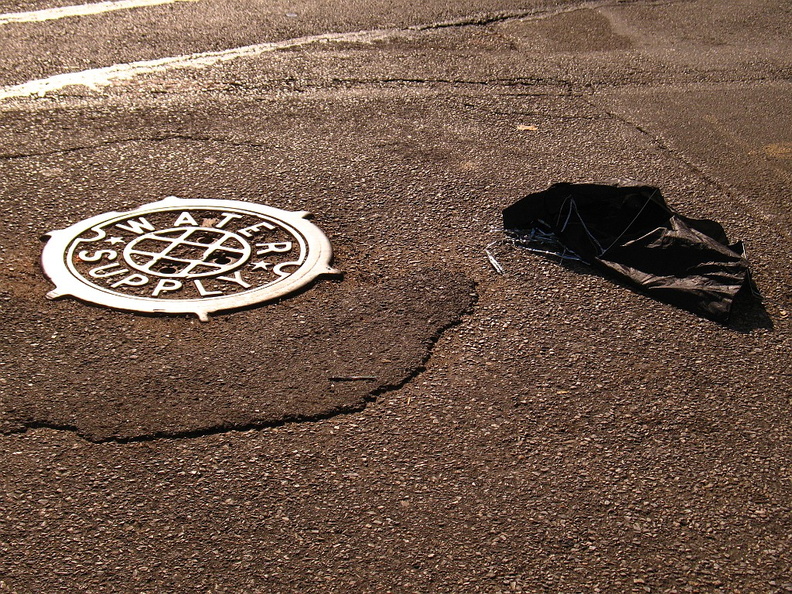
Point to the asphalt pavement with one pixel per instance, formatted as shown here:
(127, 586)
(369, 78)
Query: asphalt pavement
(422, 422)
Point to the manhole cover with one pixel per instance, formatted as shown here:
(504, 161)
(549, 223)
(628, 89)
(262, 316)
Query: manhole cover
(186, 256)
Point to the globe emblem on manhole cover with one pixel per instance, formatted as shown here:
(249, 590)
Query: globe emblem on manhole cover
(187, 252)
(187, 256)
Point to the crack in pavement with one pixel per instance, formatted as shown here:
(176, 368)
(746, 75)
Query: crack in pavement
(247, 144)
(724, 187)
(120, 141)
(300, 85)
(495, 82)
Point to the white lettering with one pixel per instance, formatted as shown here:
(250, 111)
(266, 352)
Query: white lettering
(279, 268)
(136, 227)
(204, 293)
(166, 284)
(226, 219)
(100, 234)
(185, 218)
(133, 280)
(99, 271)
(280, 247)
(236, 278)
(109, 254)
(249, 231)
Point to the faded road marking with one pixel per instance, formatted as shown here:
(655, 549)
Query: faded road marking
(101, 77)
(52, 14)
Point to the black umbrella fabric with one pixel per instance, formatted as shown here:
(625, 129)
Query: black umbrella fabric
(632, 233)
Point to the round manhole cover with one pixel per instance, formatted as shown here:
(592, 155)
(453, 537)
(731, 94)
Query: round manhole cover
(186, 256)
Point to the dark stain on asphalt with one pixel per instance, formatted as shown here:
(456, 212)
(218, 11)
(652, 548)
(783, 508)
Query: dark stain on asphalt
(583, 30)
(325, 352)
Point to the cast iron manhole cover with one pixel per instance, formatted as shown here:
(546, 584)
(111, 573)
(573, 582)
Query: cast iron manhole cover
(186, 256)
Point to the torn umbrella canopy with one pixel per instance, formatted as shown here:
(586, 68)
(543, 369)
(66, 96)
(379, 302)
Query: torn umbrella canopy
(631, 232)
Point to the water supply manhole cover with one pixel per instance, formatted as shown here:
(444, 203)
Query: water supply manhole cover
(186, 256)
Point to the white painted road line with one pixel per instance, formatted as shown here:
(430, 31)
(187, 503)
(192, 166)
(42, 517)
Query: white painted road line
(51, 14)
(102, 77)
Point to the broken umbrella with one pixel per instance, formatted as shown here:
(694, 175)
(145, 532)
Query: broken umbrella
(632, 234)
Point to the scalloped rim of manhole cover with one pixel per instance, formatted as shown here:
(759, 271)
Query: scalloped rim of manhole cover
(183, 255)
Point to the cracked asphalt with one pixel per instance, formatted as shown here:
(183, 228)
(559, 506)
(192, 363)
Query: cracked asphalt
(540, 430)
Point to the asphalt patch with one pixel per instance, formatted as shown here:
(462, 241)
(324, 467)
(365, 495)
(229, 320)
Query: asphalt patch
(117, 376)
